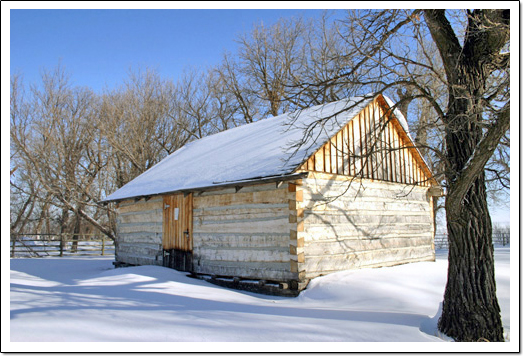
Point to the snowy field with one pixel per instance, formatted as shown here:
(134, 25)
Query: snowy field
(87, 300)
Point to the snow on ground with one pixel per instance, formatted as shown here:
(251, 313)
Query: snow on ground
(88, 300)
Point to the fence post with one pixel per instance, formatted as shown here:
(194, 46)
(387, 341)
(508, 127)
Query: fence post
(103, 245)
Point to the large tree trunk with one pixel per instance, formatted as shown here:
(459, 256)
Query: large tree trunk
(470, 308)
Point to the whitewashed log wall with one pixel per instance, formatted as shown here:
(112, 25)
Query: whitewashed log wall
(349, 224)
(139, 235)
(243, 233)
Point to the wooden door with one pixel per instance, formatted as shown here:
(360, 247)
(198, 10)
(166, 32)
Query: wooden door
(177, 231)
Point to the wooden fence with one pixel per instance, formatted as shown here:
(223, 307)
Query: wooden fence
(60, 245)
(498, 238)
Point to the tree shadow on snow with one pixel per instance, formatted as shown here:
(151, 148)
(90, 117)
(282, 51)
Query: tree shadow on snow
(169, 292)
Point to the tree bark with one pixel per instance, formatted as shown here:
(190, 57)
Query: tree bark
(470, 308)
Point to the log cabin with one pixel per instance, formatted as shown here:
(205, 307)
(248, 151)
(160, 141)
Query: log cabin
(283, 200)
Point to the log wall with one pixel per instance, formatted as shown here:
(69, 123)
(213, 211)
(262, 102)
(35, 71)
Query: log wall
(244, 233)
(139, 234)
(350, 223)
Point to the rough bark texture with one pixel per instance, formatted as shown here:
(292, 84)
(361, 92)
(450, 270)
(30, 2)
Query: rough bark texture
(470, 308)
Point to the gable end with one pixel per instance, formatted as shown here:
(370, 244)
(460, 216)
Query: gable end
(373, 145)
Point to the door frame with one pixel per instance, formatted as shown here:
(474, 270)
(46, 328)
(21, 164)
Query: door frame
(177, 231)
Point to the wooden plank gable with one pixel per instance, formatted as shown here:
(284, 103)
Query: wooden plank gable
(372, 145)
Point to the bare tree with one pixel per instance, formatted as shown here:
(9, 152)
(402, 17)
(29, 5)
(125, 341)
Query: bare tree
(319, 78)
(241, 100)
(471, 139)
(23, 189)
(54, 138)
(193, 104)
(70, 148)
(136, 122)
(268, 57)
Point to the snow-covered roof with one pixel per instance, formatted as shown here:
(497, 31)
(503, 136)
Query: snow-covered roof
(266, 148)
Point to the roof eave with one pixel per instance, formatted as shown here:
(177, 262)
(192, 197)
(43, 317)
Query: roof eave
(219, 185)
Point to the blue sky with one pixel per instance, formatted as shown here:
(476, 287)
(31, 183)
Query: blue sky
(97, 47)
